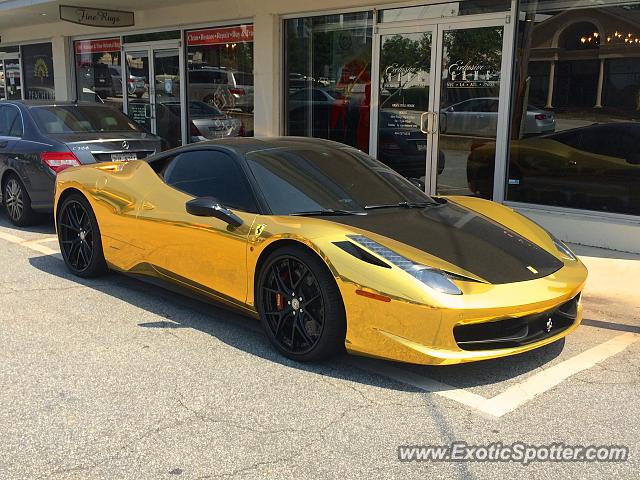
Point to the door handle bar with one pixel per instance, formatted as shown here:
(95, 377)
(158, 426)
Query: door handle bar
(431, 123)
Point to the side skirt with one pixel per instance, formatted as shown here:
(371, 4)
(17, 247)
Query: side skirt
(169, 281)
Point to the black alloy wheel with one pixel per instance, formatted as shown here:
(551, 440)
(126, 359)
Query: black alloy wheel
(79, 238)
(300, 305)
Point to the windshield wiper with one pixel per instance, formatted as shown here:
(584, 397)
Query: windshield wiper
(402, 205)
(327, 212)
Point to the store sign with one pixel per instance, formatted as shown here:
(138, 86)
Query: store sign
(471, 75)
(217, 36)
(96, 17)
(97, 46)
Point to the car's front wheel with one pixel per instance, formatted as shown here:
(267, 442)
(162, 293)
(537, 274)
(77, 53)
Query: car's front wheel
(17, 202)
(300, 306)
(79, 237)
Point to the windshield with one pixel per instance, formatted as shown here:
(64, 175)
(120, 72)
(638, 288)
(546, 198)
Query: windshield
(315, 178)
(81, 119)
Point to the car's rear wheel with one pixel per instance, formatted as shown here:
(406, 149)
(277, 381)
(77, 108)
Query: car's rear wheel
(300, 306)
(79, 237)
(17, 202)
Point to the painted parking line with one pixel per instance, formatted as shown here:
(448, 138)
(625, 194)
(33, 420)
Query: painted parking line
(36, 245)
(395, 372)
(516, 395)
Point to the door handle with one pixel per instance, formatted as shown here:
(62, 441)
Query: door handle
(431, 117)
(431, 122)
(422, 127)
(3, 144)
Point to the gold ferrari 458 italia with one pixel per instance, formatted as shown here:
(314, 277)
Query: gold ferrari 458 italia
(328, 247)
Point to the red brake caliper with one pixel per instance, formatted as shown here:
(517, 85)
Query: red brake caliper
(279, 302)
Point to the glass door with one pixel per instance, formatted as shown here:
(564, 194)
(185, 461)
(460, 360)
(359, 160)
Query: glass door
(471, 109)
(138, 89)
(154, 94)
(12, 78)
(440, 108)
(166, 95)
(403, 132)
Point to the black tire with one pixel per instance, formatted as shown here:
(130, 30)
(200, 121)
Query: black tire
(17, 202)
(79, 237)
(310, 325)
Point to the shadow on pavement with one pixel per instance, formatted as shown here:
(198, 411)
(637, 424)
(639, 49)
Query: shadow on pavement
(244, 333)
(46, 227)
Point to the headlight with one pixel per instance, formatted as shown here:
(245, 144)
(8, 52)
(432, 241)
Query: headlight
(563, 249)
(432, 277)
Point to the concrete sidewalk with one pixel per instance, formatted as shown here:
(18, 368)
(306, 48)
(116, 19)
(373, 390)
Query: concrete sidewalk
(612, 287)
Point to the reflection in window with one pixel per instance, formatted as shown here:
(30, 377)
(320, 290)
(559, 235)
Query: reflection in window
(468, 116)
(98, 71)
(405, 77)
(586, 74)
(328, 77)
(220, 74)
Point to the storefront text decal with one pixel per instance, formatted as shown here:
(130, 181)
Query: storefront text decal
(471, 75)
(96, 17)
(97, 46)
(217, 36)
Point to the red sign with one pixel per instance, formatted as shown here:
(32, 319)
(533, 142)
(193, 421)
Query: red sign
(217, 36)
(98, 46)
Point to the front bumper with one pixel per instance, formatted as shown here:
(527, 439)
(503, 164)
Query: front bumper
(435, 333)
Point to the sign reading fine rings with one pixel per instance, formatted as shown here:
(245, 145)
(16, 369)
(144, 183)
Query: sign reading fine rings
(217, 36)
(96, 17)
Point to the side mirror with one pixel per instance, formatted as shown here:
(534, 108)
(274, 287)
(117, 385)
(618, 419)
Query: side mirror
(210, 207)
(417, 182)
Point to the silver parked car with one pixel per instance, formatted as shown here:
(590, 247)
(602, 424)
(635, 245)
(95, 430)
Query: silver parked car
(479, 117)
(226, 89)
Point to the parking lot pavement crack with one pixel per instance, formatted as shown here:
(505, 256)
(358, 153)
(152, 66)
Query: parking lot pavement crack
(123, 452)
(197, 414)
(294, 454)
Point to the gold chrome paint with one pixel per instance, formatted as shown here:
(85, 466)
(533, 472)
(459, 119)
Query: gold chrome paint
(145, 229)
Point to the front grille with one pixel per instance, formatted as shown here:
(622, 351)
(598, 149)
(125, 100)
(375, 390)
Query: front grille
(516, 332)
(106, 157)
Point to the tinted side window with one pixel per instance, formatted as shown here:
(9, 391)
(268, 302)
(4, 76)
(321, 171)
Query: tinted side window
(468, 106)
(10, 121)
(208, 173)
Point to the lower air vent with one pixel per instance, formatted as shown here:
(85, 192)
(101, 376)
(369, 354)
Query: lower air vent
(516, 332)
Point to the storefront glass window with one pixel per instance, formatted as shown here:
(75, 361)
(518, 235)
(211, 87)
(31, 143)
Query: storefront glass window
(328, 77)
(99, 71)
(441, 10)
(576, 112)
(37, 63)
(220, 82)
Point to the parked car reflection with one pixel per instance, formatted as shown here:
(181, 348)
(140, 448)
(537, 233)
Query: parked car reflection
(402, 145)
(479, 117)
(206, 122)
(225, 89)
(574, 168)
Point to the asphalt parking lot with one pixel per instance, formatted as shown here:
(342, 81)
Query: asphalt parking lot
(117, 379)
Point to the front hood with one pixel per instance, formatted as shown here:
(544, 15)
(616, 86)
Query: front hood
(463, 238)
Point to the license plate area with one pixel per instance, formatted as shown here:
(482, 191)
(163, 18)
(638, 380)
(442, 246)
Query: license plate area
(123, 157)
